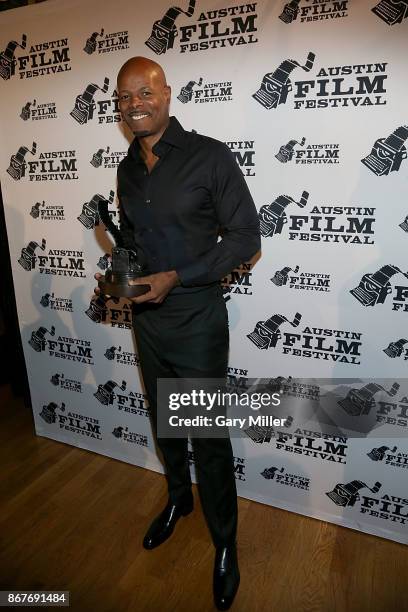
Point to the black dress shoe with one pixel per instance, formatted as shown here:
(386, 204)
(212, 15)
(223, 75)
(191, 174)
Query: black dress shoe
(163, 525)
(226, 576)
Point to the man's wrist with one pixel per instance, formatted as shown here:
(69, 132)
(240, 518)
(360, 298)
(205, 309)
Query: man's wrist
(174, 277)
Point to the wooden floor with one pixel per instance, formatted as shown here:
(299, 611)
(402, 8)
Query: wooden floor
(74, 520)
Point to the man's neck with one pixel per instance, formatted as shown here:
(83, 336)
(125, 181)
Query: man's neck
(146, 143)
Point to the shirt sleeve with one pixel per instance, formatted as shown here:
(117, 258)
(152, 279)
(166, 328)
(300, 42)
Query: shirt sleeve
(238, 224)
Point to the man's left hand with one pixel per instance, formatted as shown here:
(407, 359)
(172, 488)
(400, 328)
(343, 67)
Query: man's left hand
(160, 285)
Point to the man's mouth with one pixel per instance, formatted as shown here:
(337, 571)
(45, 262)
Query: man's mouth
(138, 116)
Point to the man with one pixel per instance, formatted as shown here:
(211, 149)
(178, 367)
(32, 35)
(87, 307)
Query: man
(177, 190)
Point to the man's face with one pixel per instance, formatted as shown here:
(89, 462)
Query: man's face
(143, 101)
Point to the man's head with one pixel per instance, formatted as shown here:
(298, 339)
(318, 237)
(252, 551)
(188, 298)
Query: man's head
(144, 96)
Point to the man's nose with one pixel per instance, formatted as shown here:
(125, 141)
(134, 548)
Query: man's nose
(136, 101)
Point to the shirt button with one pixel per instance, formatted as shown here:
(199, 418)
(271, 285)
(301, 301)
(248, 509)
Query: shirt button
(148, 201)
(150, 230)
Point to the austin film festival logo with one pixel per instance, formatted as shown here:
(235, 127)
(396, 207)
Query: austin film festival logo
(237, 379)
(34, 111)
(47, 212)
(244, 153)
(393, 411)
(280, 476)
(239, 463)
(58, 262)
(374, 288)
(131, 437)
(312, 343)
(205, 92)
(122, 357)
(106, 158)
(51, 301)
(330, 224)
(304, 281)
(309, 154)
(117, 395)
(101, 310)
(72, 421)
(220, 28)
(86, 106)
(391, 11)
(40, 59)
(68, 384)
(313, 10)
(71, 349)
(333, 86)
(89, 216)
(389, 456)
(50, 165)
(238, 282)
(385, 507)
(387, 153)
(106, 43)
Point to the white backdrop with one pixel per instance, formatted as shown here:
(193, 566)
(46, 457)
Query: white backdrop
(302, 93)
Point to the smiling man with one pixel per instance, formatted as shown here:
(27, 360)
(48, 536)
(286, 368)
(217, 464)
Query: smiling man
(177, 191)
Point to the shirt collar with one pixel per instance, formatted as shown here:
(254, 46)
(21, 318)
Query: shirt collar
(174, 135)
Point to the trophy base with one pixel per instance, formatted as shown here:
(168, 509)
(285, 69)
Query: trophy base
(121, 289)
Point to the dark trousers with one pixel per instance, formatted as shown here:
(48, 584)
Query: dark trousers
(187, 336)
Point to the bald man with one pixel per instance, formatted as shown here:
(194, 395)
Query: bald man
(177, 190)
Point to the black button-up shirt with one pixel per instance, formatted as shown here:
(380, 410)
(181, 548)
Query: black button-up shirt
(175, 214)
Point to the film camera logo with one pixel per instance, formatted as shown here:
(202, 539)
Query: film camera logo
(47, 212)
(359, 402)
(101, 310)
(49, 300)
(280, 476)
(45, 58)
(374, 288)
(18, 164)
(111, 159)
(164, 30)
(85, 105)
(207, 92)
(132, 437)
(50, 166)
(392, 458)
(397, 349)
(387, 507)
(304, 281)
(244, 153)
(72, 421)
(117, 354)
(311, 154)
(58, 262)
(333, 87)
(114, 394)
(106, 43)
(312, 342)
(313, 11)
(272, 217)
(238, 282)
(276, 85)
(68, 384)
(391, 11)
(34, 111)
(215, 29)
(8, 60)
(387, 153)
(70, 349)
(89, 216)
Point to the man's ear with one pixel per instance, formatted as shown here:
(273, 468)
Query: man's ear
(167, 91)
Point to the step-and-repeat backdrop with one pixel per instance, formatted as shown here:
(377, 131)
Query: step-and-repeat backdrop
(311, 98)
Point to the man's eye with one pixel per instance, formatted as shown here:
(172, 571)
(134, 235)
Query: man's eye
(123, 97)
(146, 93)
